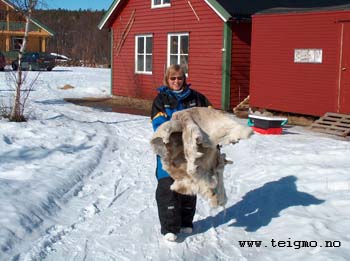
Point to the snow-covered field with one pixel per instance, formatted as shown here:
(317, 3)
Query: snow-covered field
(77, 183)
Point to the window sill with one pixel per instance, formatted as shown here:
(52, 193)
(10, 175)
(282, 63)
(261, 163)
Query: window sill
(144, 73)
(160, 6)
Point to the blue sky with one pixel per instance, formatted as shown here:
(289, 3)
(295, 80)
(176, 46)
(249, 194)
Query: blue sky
(76, 4)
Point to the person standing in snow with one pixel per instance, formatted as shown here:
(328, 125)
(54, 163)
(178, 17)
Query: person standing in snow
(175, 211)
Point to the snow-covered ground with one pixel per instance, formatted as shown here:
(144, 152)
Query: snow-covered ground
(78, 183)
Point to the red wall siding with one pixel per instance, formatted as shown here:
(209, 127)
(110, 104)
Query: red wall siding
(280, 84)
(240, 62)
(205, 40)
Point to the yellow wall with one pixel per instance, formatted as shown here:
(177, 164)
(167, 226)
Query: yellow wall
(33, 44)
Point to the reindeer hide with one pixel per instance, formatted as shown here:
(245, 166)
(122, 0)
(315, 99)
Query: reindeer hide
(188, 147)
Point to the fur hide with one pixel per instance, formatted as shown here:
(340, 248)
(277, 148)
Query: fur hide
(188, 147)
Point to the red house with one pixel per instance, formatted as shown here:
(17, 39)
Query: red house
(300, 60)
(211, 38)
(210, 42)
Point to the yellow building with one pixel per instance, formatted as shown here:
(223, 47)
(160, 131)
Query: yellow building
(12, 25)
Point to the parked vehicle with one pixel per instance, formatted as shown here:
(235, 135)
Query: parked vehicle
(34, 61)
(2, 61)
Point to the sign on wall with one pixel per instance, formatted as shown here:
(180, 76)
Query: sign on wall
(307, 55)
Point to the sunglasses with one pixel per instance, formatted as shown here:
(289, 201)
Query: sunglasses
(173, 78)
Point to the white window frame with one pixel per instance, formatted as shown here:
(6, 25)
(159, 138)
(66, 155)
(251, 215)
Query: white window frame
(162, 4)
(144, 53)
(179, 46)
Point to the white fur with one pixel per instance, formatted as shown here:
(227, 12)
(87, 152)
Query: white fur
(187, 146)
(170, 237)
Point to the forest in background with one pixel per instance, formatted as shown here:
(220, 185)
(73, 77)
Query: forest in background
(77, 35)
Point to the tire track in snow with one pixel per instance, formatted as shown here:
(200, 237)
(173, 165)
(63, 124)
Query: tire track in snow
(116, 163)
(86, 193)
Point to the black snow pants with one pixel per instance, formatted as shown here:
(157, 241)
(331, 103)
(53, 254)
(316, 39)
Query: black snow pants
(174, 210)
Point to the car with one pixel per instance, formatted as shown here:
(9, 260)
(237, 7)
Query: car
(34, 61)
(2, 61)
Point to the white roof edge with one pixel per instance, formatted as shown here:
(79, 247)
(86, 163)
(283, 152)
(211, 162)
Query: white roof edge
(108, 14)
(37, 24)
(216, 11)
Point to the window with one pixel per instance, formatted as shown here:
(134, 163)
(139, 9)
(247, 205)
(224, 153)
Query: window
(160, 3)
(2, 15)
(178, 49)
(16, 43)
(143, 54)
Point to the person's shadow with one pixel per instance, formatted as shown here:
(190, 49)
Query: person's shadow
(259, 206)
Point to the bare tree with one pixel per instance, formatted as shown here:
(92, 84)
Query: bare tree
(25, 7)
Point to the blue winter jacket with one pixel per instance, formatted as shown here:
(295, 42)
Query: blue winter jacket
(166, 103)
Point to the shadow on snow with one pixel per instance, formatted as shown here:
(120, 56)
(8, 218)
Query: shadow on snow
(259, 206)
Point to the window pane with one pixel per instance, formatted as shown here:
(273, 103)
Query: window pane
(149, 45)
(185, 67)
(148, 63)
(166, 1)
(156, 2)
(140, 60)
(140, 45)
(173, 44)
(184, 44)
(184, 60)
(173, 59)
(16, 43)
(3, 16)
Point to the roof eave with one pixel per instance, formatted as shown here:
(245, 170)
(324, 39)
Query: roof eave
(219, 10)
(37, 23)
(105, 19)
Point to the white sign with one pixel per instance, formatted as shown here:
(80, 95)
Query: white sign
(307, 55)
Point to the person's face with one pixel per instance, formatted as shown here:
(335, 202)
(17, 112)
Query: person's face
(176, 81)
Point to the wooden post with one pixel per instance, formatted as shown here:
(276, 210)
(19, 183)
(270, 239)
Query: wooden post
(43, 44)
(7, 43)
